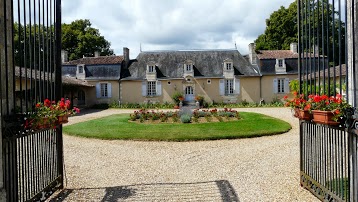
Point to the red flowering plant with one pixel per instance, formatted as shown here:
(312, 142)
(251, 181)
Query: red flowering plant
(336, 104)
(45, 114)
(297, 102)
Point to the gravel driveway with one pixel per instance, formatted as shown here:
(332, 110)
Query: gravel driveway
(254, 169)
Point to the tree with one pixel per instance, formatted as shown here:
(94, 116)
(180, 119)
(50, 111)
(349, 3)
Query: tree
(80, 39)
(281, 29)
(35, 43)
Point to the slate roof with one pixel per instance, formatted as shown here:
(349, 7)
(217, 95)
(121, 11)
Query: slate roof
(96, 68)
(169, 64)
(25, 72)
(97, 60)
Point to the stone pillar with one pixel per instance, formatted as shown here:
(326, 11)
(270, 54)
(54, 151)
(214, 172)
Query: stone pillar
(352, 37)
(6, 63)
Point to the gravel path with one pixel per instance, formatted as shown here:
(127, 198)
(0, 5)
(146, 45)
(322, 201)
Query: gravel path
(254, 169)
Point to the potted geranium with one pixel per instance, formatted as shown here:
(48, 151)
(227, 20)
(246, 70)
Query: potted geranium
(300, 106)
(328, 110)
(63, 111)
(48, 114)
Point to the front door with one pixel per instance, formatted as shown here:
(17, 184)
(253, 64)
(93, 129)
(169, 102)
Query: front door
(189, 94)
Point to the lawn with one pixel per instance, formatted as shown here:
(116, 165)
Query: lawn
(118, 127)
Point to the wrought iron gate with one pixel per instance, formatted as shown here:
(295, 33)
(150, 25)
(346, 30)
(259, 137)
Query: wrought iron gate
(328, 154)
(30, 71)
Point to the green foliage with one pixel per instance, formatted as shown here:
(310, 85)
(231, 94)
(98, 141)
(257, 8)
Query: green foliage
(185, 118)
(176, 97)
(294, 85)
(80, 39)
(281, 28)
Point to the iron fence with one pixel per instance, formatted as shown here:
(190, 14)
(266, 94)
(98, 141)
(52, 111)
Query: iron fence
(30, 71)
(328, 154)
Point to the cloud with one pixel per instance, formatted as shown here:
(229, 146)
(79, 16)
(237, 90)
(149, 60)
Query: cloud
(185, 24)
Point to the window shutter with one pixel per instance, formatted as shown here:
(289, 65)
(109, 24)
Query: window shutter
(222, 87)
(287, 88)
(159, 88)
(109, 89)
(98, 90)
(144, 88)
(275, 85)
(237, 86)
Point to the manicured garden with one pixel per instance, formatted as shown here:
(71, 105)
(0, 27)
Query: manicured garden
(201, 125)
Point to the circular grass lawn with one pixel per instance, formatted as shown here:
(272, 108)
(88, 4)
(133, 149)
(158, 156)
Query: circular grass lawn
(118, 127)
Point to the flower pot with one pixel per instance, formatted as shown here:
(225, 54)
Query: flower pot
(176, 107)
(62, 119)
(304, 115)
(324, 117)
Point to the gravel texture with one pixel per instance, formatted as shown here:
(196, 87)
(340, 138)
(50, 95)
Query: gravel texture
(254, 169)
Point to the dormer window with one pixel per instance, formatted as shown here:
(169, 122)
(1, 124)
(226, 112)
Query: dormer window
(189, 67)
(151, 74)
(228, 66)
(151, 68)
(80, 72)
(280, 62)
(280, 66)
(80, 69)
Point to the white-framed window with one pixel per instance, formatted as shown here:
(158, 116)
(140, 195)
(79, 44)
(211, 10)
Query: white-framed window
(280, 85)
(280, 62)
(229, 86)
(228, 66)
(151, 68)
(151, 88)
(189, 67)
(104, 90)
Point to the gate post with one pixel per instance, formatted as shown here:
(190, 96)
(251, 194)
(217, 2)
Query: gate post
(352, 74)
(6, 78)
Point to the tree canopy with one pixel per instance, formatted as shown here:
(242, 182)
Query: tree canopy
(282, 29)
(33, 43)
(80, 39)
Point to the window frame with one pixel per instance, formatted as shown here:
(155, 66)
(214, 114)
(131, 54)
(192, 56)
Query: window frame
(228, 66)
(151, 88)
(281, 85)
(151, 68)
(104, 90)
(229, 86)
(280, 63)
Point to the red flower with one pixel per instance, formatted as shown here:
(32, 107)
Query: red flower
(47, 102)
(317, 98)
(38, 105)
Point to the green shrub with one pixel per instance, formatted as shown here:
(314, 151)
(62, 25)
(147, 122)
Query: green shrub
(176, 96)
(185, 118)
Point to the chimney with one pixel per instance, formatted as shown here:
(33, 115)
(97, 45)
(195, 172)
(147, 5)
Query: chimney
(126, 55)
(64, 56)
(293, 47)
(96, 54)
(252, 53)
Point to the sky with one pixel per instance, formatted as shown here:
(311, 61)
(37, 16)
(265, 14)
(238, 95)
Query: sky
(149, 25)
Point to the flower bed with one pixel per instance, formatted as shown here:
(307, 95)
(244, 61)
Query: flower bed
(184, 116)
